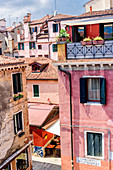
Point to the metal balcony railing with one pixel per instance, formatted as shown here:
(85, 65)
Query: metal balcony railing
(76, 50)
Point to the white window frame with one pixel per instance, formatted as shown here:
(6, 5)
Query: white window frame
(33, 91)
(22, 122)
(85, 142)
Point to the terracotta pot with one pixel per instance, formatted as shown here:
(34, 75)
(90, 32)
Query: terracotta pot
(98, 42)
(89, 42)
(83, 42)
(62, 39)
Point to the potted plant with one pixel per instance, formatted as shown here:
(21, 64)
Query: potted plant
(98, 41)
(20, 96)
(63, 36)
(86, 41)
(16, 97)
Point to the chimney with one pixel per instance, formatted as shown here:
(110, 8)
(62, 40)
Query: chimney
(47, 16)
(90, 9)
(27, 18)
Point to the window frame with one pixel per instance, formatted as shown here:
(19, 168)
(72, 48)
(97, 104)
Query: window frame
(19, 46)
(54, 28)
(54, 49)
(85, 143)
(33, 90)
(12, 83)
(22, 122)
(40, 48)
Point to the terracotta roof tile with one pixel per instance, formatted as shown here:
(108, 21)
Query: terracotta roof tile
(39, 21)
(61, 16)
(50, 71)
(4, 60)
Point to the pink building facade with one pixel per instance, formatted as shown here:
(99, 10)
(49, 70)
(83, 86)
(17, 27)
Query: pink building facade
(92, 125)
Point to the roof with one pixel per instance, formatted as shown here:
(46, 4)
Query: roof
(88, 2)
(4, 60)
(41, 36)
(50, 71)
(39, 21)
(40, 114)
(61, 16)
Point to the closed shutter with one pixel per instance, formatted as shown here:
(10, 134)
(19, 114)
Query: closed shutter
(53, 27)
(15, 83)
(20, 120)
(56, 27)
(30, 31)
(35, 29)
(103, 91)
(54, 47)
(18, 46)
(20, 83)
(85, 32)
(83, 90)
(22, 46)
(30, 45)
(36, 90)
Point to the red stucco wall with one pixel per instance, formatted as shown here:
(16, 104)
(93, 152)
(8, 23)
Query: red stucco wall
(84, 115)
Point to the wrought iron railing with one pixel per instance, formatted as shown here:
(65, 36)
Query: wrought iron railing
(76, 50)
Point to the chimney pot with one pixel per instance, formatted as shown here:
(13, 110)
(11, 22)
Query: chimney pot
(90, 8)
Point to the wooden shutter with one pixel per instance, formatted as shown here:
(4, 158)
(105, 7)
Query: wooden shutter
(30, 45)
(14, 121)
(30, 31)
(18, 46)
(83, 90)
(103, 91)
(56, 25)
(73, 33)
(20, 83)
(85, 32)
(35, 29)
(53, 47)
(34, 45)
(20, 120)
(36, 90)
(22, 46)
(15, 82)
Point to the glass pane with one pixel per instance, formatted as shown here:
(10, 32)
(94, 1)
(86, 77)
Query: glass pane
(81, 33)
(93, 89)
(22, 161)
(90, 144)
(98, 145)
(36, 90)
(108, 31)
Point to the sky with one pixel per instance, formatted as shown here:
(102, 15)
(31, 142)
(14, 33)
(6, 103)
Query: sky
(15, 10)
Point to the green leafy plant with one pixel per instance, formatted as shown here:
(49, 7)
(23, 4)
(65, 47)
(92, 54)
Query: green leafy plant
(63, 33)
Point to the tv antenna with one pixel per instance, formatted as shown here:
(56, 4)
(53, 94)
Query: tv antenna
(55, 5)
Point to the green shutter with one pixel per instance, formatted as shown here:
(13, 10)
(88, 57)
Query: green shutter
(54, 47)
(15, 90)
(18, 46)
(56, 27)
(34, 45)
(22, 46)
(30, 45)
(15, 131)
(103, 91)
(20, 83)
(53, 27)
(36, 90)
(35, 29)
(83, 90)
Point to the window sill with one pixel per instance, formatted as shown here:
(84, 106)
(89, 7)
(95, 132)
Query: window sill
(93, 103)
(95, 157)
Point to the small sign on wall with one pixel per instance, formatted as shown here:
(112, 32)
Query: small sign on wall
(87, 161)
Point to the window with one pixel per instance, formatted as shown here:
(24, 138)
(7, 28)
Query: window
(20, 46)
(40, 56)
(17, 83)
(22, 161)
(55, 27)
(35, 90)
(32, 55)
(46, 56)
(81, 33)
(108, 31)
(39, 47)
(54, 47)
(93, 90)
(32, 45)
(17, 118)
(7, 167)
(94, 144)
(0, 51)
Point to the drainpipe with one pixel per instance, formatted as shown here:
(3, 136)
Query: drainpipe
(109, 155)
(69, 74)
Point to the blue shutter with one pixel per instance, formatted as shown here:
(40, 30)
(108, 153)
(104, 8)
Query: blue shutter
(103, 91)
(30, 45)
(18, 46)
(53, 27)
(22, 46)
(56, 27)
(35, 29)
(83, 90)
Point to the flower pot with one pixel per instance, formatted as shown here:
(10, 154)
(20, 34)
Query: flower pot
(83, 42)
(62, 39)
(98, 42)
(86, 42)
(16, 98)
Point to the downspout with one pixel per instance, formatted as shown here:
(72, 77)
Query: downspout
(70, 90)
(109, 148)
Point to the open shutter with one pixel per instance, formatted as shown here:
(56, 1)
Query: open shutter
(34, 45)
(15, 90)
(53, 47)
(56, 27)
(30, 45)
(22, 46)
(73, 33)
(35, 29)
(83, 90)
(85, 32)
(20, 120)
(20, 83)
(30, 31)
(18, 46)
(14, 121)
(103, 91)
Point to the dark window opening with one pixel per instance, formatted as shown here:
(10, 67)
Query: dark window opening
(39, 47)
(20, 46)
(36, 90)
(17, 83)
(55, 48)
(32, 45)
(55, 27)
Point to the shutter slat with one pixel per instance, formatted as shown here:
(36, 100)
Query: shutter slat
(20, 119)
(83, 90)
(103, 91)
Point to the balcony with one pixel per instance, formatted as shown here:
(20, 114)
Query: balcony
(77, 51)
